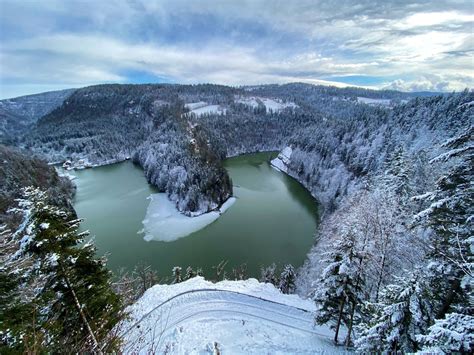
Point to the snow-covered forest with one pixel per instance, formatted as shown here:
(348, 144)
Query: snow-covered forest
(392, 259)
(181, 151)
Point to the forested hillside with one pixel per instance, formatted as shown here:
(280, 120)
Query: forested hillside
(49, 275)
(180, 134)
(18, 114)
(18, 169)
(181, 149)
(392, 260)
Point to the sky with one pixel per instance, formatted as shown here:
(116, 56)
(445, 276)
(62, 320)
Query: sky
(405, 45)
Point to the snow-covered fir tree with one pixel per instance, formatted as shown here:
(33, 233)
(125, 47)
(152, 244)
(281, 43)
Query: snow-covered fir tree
(399, 174)
(444, 290)
(177, 274)
(452, 334)
(268, 275)
(392, 324)
(71, 303)
(339, 290)
(450, 220)
(287, 279)
(190, 273)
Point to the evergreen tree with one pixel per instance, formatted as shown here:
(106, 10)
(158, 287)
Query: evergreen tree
(453, 334)
(190, 273)
(398, 176)
(73, 304)
(392, 324)
(449, 217)
(287, 279)
(177, 278)
(339, 288)
(268, 275)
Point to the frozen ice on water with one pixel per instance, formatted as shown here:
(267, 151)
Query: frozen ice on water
(163, 222)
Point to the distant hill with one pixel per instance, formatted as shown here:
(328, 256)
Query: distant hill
(19, 113)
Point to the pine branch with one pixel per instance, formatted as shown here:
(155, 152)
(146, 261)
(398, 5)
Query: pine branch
(80, 310)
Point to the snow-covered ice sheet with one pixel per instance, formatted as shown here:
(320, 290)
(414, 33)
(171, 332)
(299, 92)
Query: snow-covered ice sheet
(236, 317)
(163, 222)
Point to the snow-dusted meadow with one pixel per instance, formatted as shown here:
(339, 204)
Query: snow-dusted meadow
(274, 105)
(203, 108)
(374, 102)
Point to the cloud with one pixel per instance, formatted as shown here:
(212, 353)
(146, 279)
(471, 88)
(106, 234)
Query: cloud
(399, 44)
(436, 83)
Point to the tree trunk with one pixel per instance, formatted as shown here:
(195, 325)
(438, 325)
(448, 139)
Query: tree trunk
(379, 281)
(348, 338)
(81, 312)
(339, 318)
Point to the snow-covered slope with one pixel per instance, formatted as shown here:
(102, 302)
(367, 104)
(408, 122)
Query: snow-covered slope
(274, 105)
(374, 102)
(203, 108)
(282, 160)
(197, 316)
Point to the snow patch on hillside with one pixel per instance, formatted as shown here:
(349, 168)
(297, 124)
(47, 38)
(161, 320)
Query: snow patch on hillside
(163, 222)
(235, 317)
(202, 108)
(274, 105)
(374, 102)
(282, 160)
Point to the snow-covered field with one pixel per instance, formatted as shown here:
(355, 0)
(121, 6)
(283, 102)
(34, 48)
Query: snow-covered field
(233, 317)
(374, 102)
(270, 104)
(202, 108)
(164, 222)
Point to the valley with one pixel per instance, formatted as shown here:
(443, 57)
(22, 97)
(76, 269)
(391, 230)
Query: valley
(272, 220)
(175, 181)
(236, 177)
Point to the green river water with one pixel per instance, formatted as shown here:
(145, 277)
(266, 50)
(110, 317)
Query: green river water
(273, 220)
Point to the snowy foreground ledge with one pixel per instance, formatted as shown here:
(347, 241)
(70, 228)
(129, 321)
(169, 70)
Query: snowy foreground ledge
(233, 317)
(165, 223)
